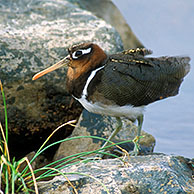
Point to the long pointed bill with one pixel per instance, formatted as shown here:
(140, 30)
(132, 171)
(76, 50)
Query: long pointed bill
(61, 63)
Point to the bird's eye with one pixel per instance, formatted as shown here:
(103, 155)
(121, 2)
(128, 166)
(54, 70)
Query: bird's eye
(81, 52)
(78, 53)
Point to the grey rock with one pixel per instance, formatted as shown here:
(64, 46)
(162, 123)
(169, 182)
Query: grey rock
(33, 35)
(106, 10)
(141, 174)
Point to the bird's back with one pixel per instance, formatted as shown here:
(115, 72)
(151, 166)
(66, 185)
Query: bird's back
(132, 78)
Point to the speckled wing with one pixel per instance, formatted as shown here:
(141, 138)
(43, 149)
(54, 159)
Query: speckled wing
(132, 78)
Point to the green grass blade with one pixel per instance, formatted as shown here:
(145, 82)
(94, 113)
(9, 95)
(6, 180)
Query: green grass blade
(71, 158)
(82, 174)
(68, 139)
(5, 112)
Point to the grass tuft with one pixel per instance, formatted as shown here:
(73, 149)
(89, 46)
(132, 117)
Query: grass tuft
(13, 181)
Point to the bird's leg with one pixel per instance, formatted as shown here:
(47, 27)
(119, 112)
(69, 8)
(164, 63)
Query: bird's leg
(118, 128)
(136, 139)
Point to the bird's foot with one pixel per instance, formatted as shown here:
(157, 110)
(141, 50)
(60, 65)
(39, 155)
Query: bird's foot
(98, 156)
(91, 158)
(136, 148)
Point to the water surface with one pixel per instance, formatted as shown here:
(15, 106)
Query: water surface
(167, 28)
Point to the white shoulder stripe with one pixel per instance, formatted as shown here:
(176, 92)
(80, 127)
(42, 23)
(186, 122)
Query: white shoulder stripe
(93, 73)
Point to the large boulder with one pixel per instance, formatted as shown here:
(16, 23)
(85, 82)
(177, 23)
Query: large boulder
(140, 175)
(33, 35)
(106, 10)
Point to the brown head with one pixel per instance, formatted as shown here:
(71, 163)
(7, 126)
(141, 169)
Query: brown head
(81, 59)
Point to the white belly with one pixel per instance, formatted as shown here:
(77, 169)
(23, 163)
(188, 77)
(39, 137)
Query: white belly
(127, 111)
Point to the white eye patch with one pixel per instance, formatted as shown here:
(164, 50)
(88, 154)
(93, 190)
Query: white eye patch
(80, 52)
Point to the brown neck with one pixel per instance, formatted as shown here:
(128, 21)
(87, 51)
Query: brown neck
(80, 70)
(76, 86)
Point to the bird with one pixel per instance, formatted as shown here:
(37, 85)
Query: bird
(121, 84)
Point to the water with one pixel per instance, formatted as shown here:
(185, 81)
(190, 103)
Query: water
(167, 28)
